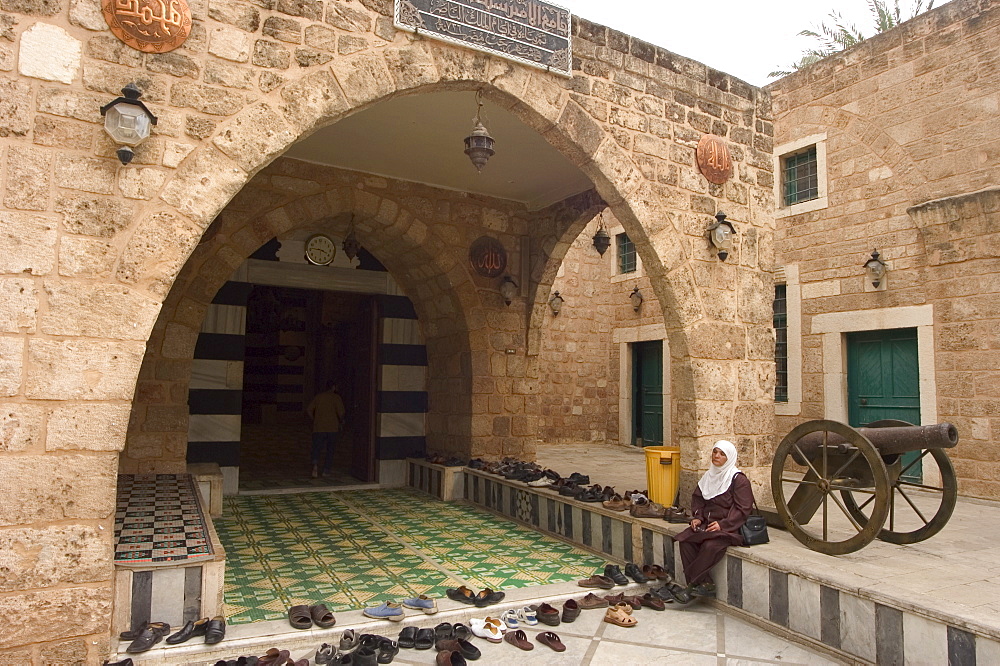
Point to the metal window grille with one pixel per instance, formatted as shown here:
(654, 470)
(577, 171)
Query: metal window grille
(780, 344)
(801, 177)
(626, 254)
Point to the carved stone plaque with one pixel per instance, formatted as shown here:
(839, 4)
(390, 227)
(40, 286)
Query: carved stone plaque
(150, 26)
(487, 256)
(714, 160)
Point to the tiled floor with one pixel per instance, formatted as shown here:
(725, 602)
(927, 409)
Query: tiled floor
(276, 456)
(351, 549)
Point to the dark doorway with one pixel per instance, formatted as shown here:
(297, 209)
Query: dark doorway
(647, 393)
(297, 341)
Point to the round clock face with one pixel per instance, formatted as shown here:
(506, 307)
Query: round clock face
(320, 250)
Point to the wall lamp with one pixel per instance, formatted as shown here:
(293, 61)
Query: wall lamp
(556, 303)
(128, 121)
(636, 298)
(508, 289)
(721, 233)
(875, 269)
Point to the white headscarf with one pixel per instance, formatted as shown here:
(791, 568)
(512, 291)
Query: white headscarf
(718, 479)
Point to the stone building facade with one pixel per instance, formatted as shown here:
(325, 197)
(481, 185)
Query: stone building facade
(107, 271)
(905, 130)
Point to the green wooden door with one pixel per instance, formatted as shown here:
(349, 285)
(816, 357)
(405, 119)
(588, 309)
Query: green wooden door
(647, 393)
(883, 381)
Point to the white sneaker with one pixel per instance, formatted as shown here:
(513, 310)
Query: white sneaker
(543, 482)
(527, 616)
(509, 617)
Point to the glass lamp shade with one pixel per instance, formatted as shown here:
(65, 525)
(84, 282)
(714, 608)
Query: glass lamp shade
(128, 124)
(636, 298)
(602, 241)
(876, 269)
(721, 235)
(479, 146)
(508, 289)
(556, 303)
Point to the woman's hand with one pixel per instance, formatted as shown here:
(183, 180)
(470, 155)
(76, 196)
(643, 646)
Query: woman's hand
(713, 526)
(695, 522)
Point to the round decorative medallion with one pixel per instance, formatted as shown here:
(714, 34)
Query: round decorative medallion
(714, 160)
(150, 26)
(487, 256)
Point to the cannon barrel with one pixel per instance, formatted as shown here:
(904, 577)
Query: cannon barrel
(887, 441)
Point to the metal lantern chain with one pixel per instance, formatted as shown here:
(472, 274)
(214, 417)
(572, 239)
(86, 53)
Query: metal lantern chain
(479, 144)
(602, 239)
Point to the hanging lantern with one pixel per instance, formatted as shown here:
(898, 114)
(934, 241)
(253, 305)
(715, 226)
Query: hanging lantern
(602, 239)
(479, 144)
(351, 245)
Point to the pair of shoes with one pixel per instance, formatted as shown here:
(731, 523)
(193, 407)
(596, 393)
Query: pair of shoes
(616, 503)
(618, 616)
(450, 658)
(447, 631)
(149, 635)
(387, 610)
(646, 509)
(412, 637)
(490, 628)
(460, 645)
(602, 582)
(632, 602)
(214, 630)
(302, 616)
(516, 617)
(485, 597)
(650, 600)
(613, 572)
(675, 514)
(675, 593)
(421, 603)
(656, 572)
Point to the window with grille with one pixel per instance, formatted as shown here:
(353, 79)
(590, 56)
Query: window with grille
(626, 254)
(780, 344)
(800, 177)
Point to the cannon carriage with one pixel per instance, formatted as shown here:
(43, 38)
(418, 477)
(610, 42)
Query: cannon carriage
(837, 488)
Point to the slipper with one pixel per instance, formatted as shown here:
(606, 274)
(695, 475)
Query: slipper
(407, 637)
(519, 639)
(491, 629)
(424, 639)
(619, 617)
(322, 616)
(444, 632)
(299, 617)
(552, 640)
(462, 632)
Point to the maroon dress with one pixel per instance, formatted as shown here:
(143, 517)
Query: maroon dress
(700, 551)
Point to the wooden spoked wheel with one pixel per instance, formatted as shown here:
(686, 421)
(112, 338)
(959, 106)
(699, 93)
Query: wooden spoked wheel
(917, 511)
(808, 481)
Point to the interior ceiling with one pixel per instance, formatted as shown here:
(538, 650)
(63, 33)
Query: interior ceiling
(419, 138)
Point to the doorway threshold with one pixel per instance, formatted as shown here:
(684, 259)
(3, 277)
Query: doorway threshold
(313, 489)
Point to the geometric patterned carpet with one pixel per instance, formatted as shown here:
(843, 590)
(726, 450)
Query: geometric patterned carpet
(352, 549)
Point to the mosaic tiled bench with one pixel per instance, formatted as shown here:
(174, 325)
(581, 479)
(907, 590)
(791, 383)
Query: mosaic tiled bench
(763, 583)
(161, 583)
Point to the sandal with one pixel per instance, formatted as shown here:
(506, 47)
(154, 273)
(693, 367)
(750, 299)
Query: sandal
(299, 617)
(519, 639)
(509, 618)
(527, 615)
(424, 639)
(552, 640)
(619, 617)
(407, 637)
(322, 616)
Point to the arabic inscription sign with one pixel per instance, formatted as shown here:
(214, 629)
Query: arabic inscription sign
(487, 256)
(150, 26)
(529, 31)
(714, 160)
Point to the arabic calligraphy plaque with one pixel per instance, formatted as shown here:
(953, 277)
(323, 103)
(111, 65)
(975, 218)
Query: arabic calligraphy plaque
(150, 26)
(532, 32)
(487, 256)
(714, 160)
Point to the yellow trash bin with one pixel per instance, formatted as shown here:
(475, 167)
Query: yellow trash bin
(663, 473)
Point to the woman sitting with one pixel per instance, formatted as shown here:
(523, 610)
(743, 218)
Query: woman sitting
(719, 507)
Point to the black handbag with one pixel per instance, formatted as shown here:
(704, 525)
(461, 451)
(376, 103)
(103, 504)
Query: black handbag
(754, 530)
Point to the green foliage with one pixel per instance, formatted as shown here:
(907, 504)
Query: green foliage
(838, 35)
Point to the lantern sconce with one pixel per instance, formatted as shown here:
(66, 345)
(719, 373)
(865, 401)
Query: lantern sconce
(351, 246)
(556, 303)
(602, 239)
(508, 289)
(479, 144)
(721, 233)
(876, 269)
(636, 298)
(128, 121)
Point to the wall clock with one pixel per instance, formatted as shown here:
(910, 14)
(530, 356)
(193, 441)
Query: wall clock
(320, 250)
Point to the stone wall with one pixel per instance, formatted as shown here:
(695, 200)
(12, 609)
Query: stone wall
(90, 250)
(910, 120)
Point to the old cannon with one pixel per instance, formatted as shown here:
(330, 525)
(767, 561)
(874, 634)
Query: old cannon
(852, 485)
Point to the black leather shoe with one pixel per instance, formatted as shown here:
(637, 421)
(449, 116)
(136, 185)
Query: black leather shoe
(215, 630)
(123, 662)
(150, 636)
(635, 572)
(190, 630)
(139, 628)
(613, 572)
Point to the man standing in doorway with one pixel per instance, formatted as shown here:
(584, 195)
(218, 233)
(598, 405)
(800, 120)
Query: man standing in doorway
(327, 413)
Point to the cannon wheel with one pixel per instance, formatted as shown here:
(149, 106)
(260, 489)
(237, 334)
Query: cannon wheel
(828, 481)
(948, 491)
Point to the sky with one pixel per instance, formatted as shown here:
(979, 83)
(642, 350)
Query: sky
(740, 37)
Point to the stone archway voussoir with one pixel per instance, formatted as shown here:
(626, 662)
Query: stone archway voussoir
(364, 78)
(206, 180)
(312, 102)
(255, 137)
